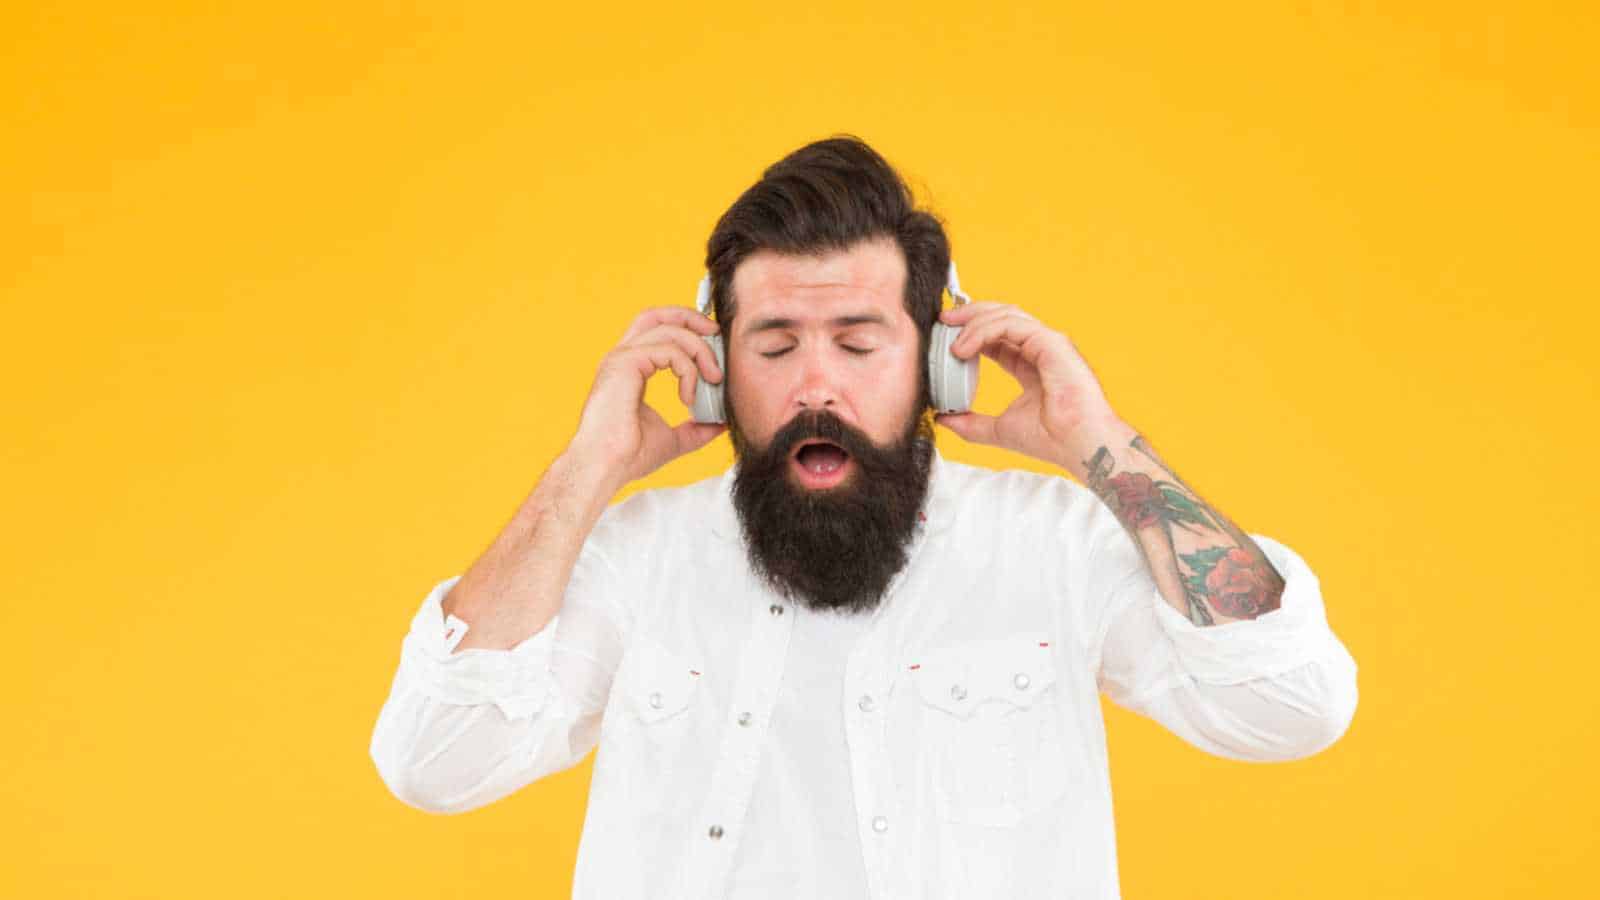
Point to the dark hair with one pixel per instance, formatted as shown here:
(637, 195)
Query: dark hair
(828, 196)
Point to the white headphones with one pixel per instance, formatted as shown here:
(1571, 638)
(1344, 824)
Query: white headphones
(952, 381)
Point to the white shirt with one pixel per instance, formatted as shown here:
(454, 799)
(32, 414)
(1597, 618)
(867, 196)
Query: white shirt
(949, 744)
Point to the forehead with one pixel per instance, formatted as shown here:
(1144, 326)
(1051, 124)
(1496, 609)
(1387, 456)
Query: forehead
(870, 276)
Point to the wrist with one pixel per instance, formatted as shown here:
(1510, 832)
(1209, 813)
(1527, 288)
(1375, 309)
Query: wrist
(582, 482)
(594, 461)
(1109, 432)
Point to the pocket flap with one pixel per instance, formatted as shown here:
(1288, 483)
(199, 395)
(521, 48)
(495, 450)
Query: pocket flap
(659, 682)
(960, 677)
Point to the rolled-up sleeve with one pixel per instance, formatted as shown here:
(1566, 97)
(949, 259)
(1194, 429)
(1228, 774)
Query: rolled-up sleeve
(461, 729)
(518, 680)
(1281, 686)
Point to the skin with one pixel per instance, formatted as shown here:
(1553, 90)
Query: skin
(1205, 567)
(828, 332)
(515, 588)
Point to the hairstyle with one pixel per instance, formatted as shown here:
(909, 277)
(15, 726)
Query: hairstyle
(828, 196)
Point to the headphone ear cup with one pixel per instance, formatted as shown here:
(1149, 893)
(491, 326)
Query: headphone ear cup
(708, 398)
(952, 381)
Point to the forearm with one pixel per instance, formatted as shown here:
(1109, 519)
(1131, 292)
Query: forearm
(1206, 567)
(515, 588)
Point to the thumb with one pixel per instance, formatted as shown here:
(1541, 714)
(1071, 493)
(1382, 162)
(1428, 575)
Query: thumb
(690, 436)
(975, 427)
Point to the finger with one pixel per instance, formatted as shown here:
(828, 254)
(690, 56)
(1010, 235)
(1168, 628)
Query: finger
(998, 311)
(693, 344)
(960, 315)
(1009, 356)
(691, 435)
(1016, 328)
(683, 316)
(975, 427)
(648, 359)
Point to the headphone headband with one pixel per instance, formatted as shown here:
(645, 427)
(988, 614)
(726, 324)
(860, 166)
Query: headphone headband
(702, 300)
(953, 285)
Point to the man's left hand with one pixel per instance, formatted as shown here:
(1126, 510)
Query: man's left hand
(1062, 415)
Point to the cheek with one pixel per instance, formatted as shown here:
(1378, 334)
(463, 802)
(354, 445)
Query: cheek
(889, 396)
(754, 397)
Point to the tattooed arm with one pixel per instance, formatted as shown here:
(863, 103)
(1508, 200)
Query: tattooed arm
(1277, 686)
(1219, 635)
(1205, 566)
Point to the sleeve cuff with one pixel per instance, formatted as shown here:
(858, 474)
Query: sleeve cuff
(1290, 636)
(516, 680)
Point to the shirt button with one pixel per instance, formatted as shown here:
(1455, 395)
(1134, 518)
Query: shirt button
(715, 832)
(865, 703)
(1021, 681)
(744, 718)
(775, 609)
(880, 824)
(655, 701)
(958, 692)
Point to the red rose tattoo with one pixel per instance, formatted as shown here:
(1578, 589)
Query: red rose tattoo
(1241, 586)
(1139, 501)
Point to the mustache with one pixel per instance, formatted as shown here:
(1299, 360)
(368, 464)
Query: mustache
(821, 424)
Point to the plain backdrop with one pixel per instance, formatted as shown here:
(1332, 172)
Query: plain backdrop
(300, 299)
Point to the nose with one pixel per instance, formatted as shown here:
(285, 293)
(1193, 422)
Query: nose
(818, 388)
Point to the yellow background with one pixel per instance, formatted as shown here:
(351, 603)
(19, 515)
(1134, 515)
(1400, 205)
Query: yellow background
(300, 299)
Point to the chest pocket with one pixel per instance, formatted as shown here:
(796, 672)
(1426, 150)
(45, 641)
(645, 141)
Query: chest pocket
(657, 683)
(648, 730)
(993, 727)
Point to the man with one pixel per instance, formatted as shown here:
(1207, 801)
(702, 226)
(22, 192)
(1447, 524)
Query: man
(848, 667)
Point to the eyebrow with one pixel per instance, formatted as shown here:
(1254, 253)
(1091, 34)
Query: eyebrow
(771, 324)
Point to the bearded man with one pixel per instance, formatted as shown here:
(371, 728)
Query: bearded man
(848, 667)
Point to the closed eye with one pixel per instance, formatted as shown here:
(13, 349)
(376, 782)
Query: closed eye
(858, 351)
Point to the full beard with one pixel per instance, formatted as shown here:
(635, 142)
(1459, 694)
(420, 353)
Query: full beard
(836, 548)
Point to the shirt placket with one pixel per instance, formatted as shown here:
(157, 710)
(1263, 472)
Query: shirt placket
(879, 823)
(720, 825)
(887, 836)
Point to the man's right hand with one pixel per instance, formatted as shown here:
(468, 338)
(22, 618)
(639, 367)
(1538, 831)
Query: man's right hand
(617, 428)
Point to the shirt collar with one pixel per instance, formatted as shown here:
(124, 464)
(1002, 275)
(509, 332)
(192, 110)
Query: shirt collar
(936, 505)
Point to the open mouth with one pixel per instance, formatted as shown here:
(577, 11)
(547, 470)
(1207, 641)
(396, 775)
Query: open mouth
(820, 463)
